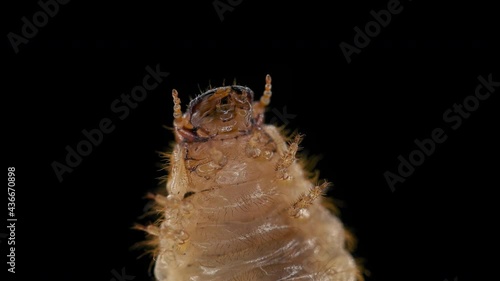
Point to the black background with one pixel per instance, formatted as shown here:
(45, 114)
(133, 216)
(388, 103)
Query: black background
(359, 116)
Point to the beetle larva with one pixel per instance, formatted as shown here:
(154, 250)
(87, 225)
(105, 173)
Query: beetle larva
(239, 205)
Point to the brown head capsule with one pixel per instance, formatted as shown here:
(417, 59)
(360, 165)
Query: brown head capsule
(239, 206)
(221, 113)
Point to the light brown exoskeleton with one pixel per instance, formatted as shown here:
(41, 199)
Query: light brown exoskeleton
(239, 205)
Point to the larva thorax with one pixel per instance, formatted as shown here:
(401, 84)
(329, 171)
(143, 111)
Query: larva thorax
(239, 206)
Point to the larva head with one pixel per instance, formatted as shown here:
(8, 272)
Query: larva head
(220, 113)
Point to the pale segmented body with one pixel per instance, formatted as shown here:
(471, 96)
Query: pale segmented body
(239, 206)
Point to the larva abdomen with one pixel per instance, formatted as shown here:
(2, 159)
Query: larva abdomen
(240, 207)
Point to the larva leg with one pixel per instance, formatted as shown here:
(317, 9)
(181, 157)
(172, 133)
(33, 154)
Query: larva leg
(175, 212)
(299, 208)
(171, 233)
(287, 159)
